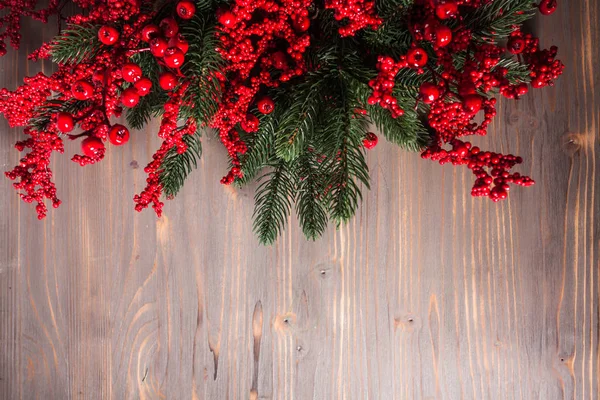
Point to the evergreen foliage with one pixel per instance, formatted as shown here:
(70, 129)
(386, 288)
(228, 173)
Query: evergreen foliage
(176, 167)
(76, 44)
(309, 152)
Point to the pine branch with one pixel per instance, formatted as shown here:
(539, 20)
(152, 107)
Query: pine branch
(176, 167)
(76, 44)
(273, 202)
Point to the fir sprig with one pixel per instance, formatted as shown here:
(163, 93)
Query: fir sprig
(176, 167)
(151, 105)
(43, 115)
(76, 44)
(273, 202)
(202, 63)
(310, 207)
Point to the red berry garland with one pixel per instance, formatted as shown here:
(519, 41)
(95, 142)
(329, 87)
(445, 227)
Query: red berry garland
(263, 48)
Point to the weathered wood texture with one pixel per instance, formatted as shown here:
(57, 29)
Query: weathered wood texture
(426, 294)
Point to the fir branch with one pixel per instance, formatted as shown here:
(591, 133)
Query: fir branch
(344, 171)
(298, 118)
(517, 71)
(176, 167)
(312, 214)
(202, 64)
(406, 131)
(273, 202)
(151, 105)
(339, 140)
(497, 19)
(43, 115)
(260, 148)
(76, 44)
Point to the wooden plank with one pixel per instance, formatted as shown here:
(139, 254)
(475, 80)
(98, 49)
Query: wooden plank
(426, 294)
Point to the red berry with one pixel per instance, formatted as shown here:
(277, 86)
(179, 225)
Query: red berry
(169, 27)
(429, 92)
(548, 7)
(467, 89)
(522, 89)
(186, 9)
(130, 97)
(265, 105)
(82, 90)
(131, 72)
(2, 51)
(251, 123)
(416, 57)
(301, 24)
(118, 135)
(92, 146)
(537, 83)
(370, 140)
(446, 10)
(99, 76)
(64, 122)
(108, 35)
(515, 45)
(472, 103)
(143, 86)
(279, 60)
(150, 32)
(174, 57)
(227, 19)
(179, 42)
(167, 80)
(443, 36)
(158, 46)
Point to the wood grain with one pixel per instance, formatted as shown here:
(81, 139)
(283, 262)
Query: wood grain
(427, 294)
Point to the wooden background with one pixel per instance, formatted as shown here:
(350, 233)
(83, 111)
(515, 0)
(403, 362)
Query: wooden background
(427, 294)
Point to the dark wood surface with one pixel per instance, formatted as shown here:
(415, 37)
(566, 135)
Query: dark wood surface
(427, 294)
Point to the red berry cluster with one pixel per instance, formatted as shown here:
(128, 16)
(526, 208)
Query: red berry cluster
(265, 35)
(455, 95)
(13, 10)
(359, 14)
(172, 136)
(543, 66)
(33, 172)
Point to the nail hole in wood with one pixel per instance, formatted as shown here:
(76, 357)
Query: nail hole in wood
(410, 320)
(562, 360)
(299, 348)
(323, 272)
(286, 320)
